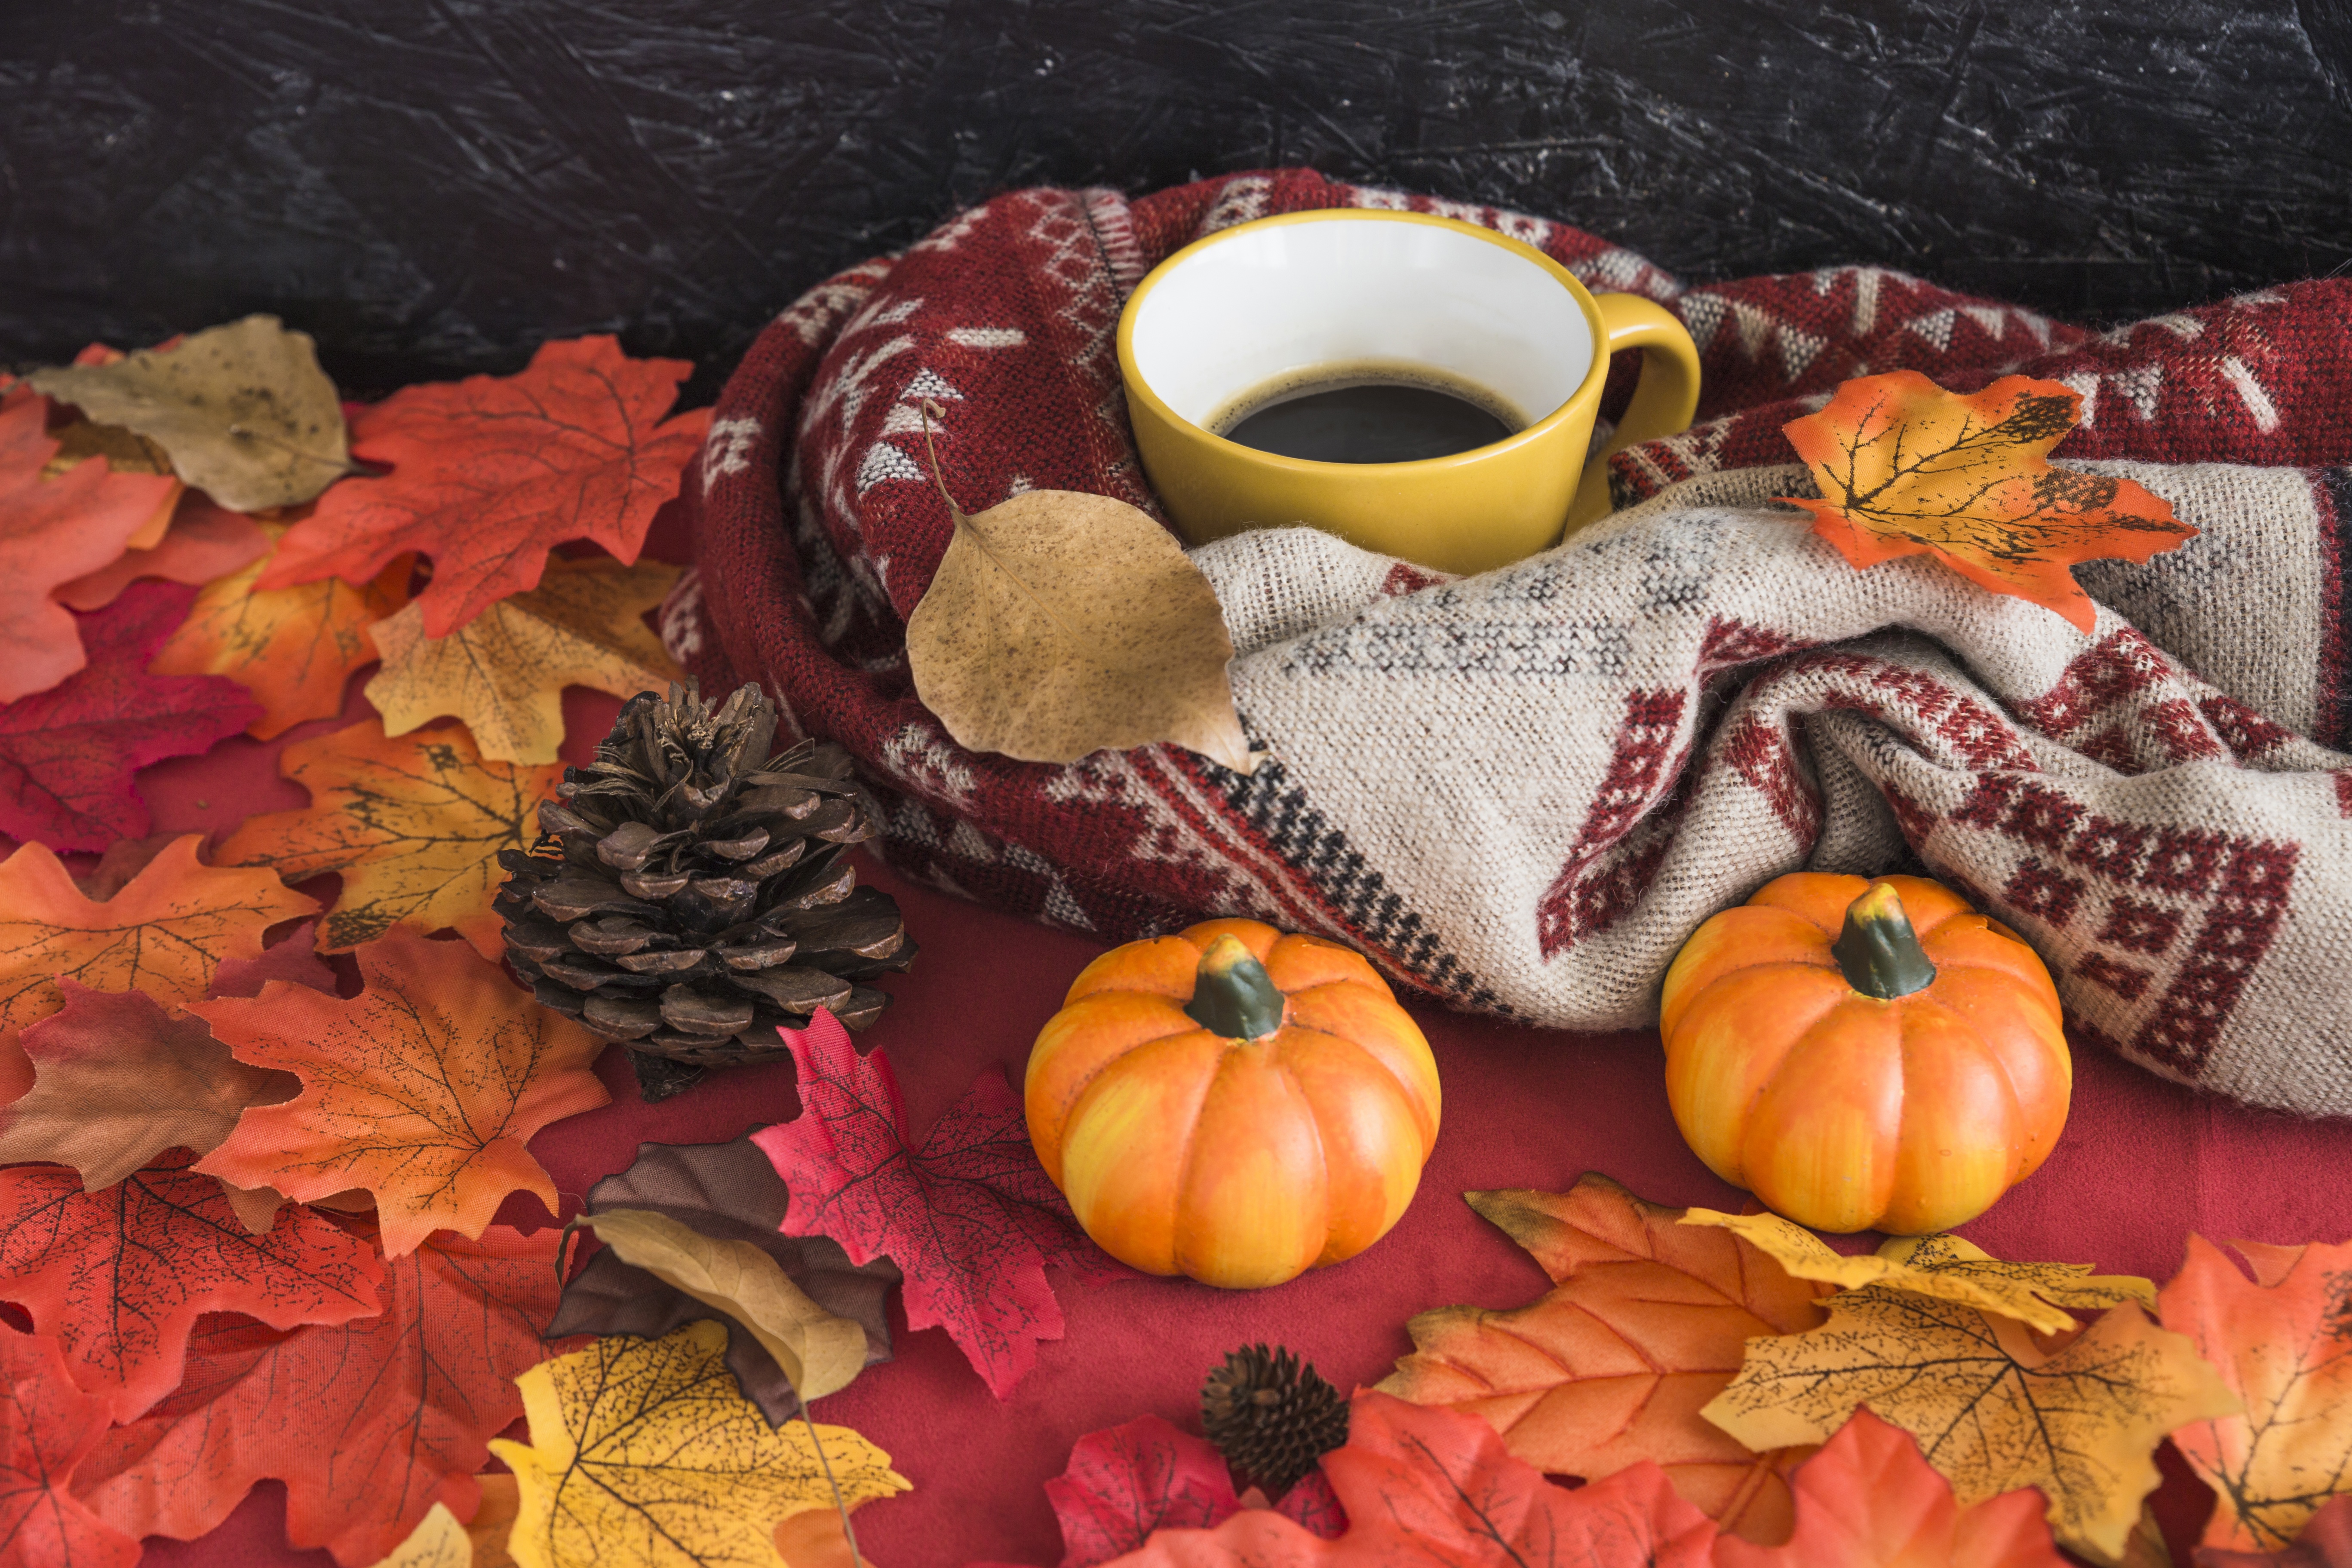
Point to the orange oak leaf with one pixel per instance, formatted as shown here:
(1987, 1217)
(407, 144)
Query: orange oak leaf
(47, 1427)
(491, 473)
(414, 823)
(206, 540)
(118, 1081)
(2283, 1343)
(53, 530)
(1646, 1322)
(368, 1423)
(294, 648)
(166, 932)
(120, 1275)
(423, 1088)
(1907, 468)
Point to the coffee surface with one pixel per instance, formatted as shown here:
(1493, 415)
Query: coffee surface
(1353, 418)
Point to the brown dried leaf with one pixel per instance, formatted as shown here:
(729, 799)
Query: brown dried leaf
(244, 410)
(1060, 624)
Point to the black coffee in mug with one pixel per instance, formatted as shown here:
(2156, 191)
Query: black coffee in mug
(1366, 411)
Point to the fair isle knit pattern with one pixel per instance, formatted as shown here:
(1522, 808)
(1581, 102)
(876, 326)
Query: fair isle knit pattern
(1521, 792)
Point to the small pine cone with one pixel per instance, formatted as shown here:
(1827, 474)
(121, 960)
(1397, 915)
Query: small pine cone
(1272, 1415)
(689, 892)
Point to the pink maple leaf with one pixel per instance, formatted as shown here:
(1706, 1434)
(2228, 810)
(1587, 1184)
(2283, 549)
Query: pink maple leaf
(970, 1216)
(66, 754)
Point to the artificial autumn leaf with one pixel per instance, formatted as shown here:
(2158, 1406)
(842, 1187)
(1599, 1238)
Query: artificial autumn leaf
(47, 1426)
(53, 530)
(1060, 623)
(1907, 468)
(368, 1423)
(968, 1216)
(437, 1541)
(423, 1088)
(1993, 1409)
(1947, 1267)
(491, 473)
(1428, 1485)
(293, 648)
(819, 1353)
(1868, 1501)
(1646, 1321)
(67, 754)
(2283, 1341)
(1124, 1483)
(120, 1275)
(413, 824)
(244, 410)
(504, 671)
(727, 1192)
(165, 933)
(493, 1520)
(2326, 1542)
(643, 1454)
(292, 958)
(203, 542)
(118, 1081)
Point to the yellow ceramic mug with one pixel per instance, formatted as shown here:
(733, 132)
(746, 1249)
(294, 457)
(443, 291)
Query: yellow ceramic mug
(1265, 300)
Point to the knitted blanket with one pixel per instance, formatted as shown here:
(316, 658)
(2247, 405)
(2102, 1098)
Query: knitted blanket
(1520, 791)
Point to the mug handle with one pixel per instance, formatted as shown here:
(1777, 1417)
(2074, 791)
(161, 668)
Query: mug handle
(1664, 399)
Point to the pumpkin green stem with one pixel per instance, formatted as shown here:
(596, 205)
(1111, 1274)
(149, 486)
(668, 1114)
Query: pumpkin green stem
(1878, 953)
(1232, 996)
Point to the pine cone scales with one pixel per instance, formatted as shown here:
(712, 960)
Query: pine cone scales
(1272, 1415)
(688, 893)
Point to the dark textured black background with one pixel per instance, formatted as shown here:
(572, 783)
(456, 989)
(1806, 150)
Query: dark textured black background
(433, 185)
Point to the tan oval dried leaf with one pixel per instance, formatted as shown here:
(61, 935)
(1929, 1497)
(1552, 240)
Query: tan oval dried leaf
(819, 1352)
(1061, 624)
(244, 410)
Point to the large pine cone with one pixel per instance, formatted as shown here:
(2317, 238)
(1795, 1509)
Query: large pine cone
(688, 893)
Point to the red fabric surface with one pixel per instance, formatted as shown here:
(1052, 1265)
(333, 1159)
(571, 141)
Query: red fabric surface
(2142, 1163)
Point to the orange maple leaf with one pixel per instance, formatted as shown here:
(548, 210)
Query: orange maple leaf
(423, 1088)
(2283, 1341)
(1907, 468)
(491, 473)
(413, 823)
(52, 531)
(1644, 1324)
(294, 648)
(205, 541)
(164, 932)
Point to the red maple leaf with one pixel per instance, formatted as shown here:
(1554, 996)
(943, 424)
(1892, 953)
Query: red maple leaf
(47, 1426)
(368, 1424)
(206, 540)
(491, 473)
(970, 1217)
(1124, 1483)
(51, 532)
(120, 1275)
(66, 755)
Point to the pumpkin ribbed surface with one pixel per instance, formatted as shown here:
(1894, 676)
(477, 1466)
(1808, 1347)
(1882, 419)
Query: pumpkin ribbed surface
(1849, 1111)
(1241, 1162)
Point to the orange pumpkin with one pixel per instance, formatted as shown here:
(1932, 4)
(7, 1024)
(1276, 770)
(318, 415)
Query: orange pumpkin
(1232, 1103)
(1864, 1054)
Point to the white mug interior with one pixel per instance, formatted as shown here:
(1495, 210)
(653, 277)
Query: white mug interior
(1272, 299)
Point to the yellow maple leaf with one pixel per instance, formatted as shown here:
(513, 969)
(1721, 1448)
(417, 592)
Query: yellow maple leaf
(437, 1541)
(1945, 1266)
(413, 823)
(294, 648)
(1907, 468)
(1993, 1408)
(644, 1454)
(164, 932)
(504, 671)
